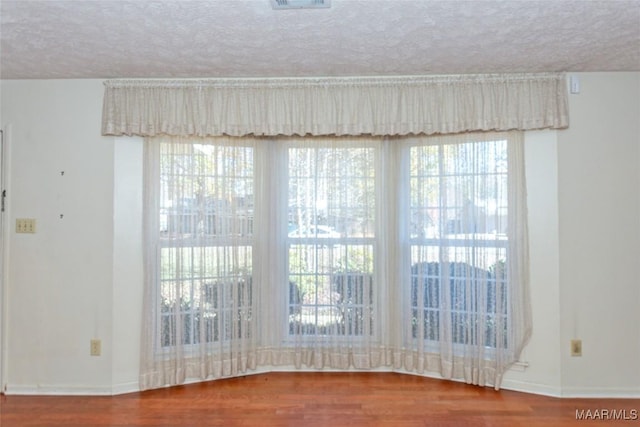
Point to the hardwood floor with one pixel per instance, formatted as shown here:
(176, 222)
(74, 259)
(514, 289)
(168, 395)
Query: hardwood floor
(318, 399)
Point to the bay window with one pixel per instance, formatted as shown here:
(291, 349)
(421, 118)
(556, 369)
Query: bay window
(373, 244)
(356, 222)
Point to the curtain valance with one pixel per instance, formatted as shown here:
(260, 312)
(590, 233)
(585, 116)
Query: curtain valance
(335, 106)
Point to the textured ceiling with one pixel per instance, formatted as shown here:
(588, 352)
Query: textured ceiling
(247, 38)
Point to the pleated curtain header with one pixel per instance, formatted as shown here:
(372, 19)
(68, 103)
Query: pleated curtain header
(335, 106)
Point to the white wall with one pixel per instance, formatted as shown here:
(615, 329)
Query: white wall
(58, 280)
(127, 263)
(80, 277)
(542, 354)
(600, 236)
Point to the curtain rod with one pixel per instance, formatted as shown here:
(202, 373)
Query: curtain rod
(331, 80)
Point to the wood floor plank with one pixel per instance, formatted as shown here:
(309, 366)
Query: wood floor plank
(317, 400)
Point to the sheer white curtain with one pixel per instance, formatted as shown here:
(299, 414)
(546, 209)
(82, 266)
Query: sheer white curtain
(464, 265)
(342, 252)
(324, 197)
(199, 300)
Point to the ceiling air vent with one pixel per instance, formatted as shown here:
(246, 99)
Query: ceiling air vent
(300, 4)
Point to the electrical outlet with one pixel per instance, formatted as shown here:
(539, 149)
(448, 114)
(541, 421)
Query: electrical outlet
(25, 225)
(96, 348)
(576, 348)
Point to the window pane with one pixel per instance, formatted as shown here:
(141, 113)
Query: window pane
(333, 188)
(206, 189)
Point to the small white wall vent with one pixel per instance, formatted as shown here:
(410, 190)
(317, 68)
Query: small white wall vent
(300, 4)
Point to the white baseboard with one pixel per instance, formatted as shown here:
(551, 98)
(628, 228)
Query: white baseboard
(601, 392)
(531, 388)
(124, 388)
(70, 390)
(57, 390)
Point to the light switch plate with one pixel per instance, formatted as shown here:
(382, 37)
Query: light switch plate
(25, 225)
